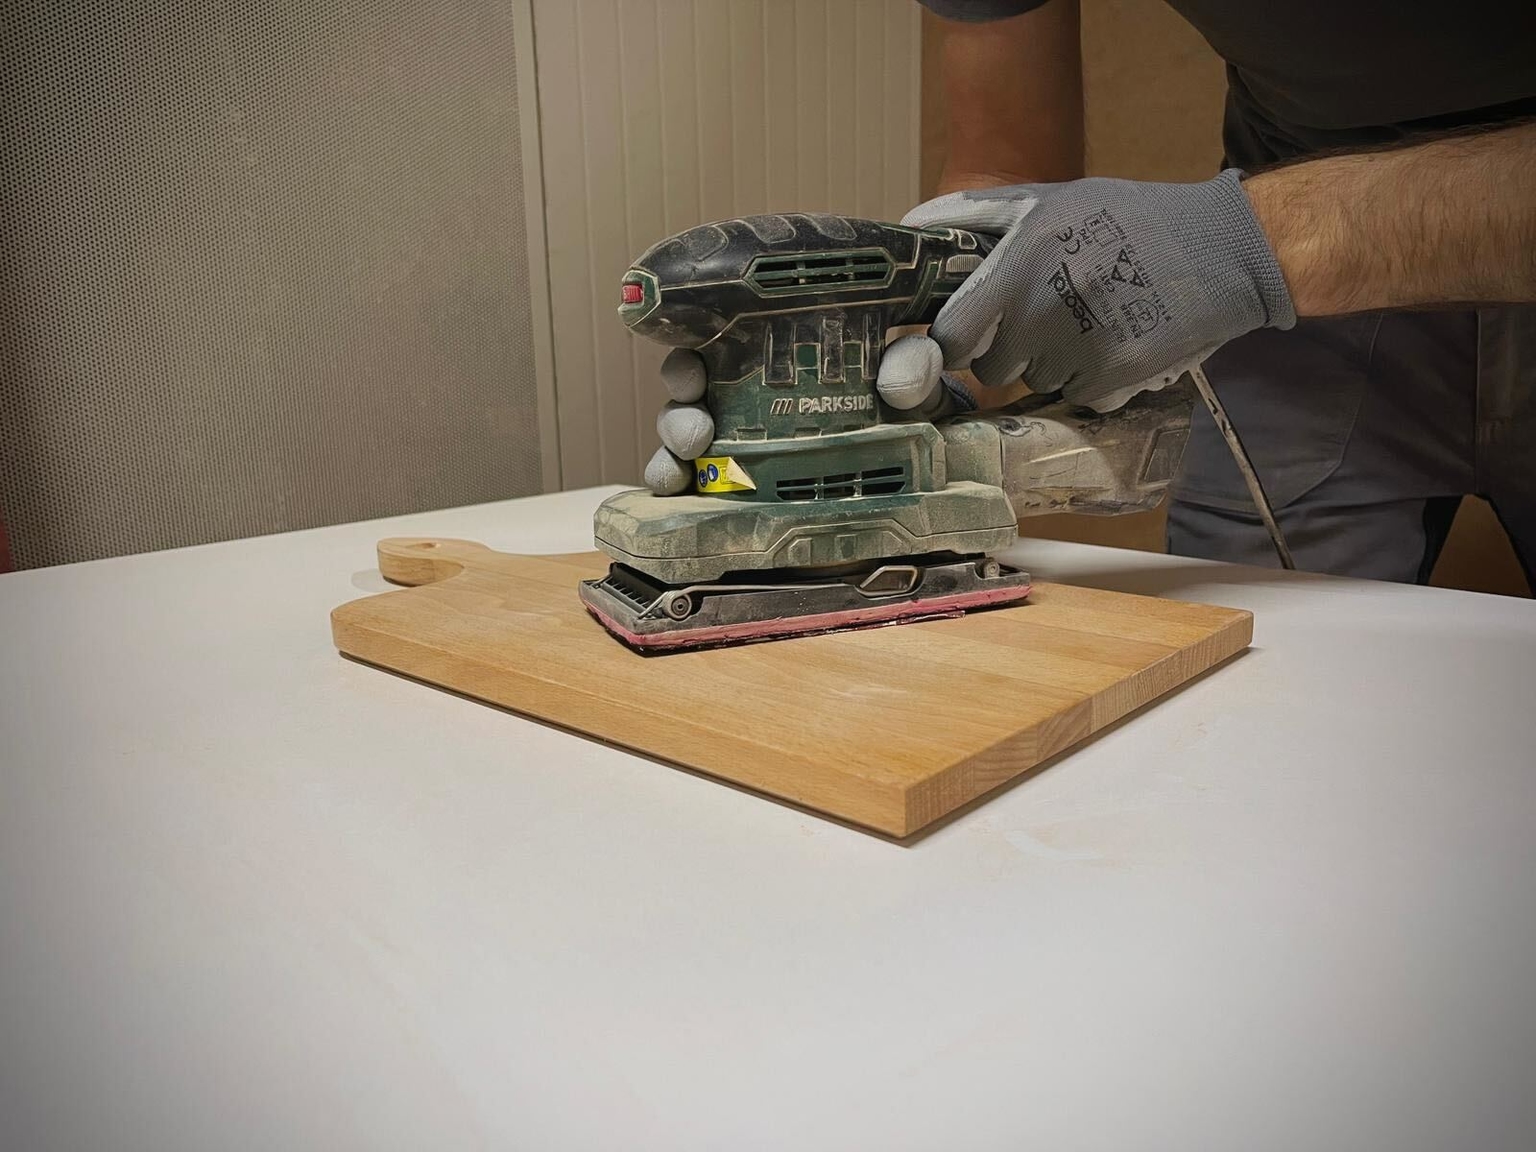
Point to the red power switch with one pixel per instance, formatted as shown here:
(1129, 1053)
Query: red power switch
(633, 293)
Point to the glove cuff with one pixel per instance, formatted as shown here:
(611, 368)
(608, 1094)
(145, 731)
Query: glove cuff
(1222, 237)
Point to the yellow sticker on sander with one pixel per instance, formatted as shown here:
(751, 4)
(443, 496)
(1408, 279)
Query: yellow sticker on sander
(721, 474)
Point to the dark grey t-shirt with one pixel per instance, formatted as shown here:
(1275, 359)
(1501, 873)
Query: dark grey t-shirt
(1305, 76)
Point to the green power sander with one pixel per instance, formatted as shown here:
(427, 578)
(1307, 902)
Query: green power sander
(817, 508)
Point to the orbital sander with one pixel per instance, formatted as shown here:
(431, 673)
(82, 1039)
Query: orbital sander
(817, 507)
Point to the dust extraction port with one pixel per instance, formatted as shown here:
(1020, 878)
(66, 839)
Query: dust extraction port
(771, 275)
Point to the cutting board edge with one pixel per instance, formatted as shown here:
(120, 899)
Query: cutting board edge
(1003, 763)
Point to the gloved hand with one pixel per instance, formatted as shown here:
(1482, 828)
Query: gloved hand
(1098, 288)
(684, 424)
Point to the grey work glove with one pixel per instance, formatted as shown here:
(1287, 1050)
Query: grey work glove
(1098, 288)
(684, 425)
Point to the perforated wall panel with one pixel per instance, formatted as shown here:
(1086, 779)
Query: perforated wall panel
(262, 267)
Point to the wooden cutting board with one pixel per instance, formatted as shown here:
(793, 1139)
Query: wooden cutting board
(889, 728)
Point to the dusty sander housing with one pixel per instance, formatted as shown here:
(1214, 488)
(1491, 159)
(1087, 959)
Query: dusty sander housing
(807, 484)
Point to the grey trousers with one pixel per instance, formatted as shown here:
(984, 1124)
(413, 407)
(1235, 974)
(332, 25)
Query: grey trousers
(1367, 431)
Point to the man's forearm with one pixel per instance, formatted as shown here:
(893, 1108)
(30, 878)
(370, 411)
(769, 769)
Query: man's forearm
(1451, 221)
(1014, 90)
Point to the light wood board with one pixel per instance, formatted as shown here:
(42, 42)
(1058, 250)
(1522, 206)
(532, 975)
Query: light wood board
(888, 728)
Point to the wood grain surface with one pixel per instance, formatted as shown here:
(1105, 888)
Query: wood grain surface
(887, 728)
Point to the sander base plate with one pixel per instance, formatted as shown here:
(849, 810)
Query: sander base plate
(652, 617)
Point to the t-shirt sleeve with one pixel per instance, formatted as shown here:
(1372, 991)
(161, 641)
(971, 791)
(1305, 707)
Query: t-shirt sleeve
(979, 11)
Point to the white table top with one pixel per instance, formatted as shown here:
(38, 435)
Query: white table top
(253, 895)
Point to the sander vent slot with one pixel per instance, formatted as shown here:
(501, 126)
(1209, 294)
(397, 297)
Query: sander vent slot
(776, 274)
(840, 486)
(626, 586)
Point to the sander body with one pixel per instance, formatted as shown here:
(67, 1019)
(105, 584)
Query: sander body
(816, 507)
